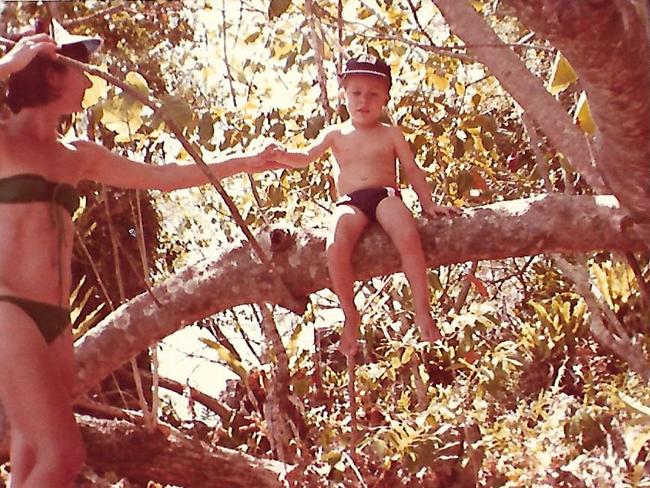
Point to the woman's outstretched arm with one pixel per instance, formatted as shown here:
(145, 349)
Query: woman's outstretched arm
(104, 166)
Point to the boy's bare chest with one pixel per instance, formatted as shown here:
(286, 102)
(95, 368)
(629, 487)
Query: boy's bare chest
(354, 149)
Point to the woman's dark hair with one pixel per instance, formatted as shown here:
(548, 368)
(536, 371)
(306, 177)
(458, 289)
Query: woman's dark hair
(29, 86)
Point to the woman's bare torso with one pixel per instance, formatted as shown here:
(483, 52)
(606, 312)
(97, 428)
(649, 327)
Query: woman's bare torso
(36, 237)
(36, 252)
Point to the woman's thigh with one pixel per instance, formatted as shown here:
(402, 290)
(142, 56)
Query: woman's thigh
(31, 387)
(62, 353)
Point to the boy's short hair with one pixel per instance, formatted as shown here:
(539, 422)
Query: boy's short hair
(367, 64)
(29, 86)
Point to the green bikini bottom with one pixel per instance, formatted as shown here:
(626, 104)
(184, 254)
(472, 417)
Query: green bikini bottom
(50, 320)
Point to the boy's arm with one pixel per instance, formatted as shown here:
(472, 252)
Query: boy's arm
(104, 166)
(298, 158)
(417, 177)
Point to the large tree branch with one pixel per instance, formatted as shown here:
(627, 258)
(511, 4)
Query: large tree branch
(551, 224)
(607, 44)
(168, 457)
(523, 86)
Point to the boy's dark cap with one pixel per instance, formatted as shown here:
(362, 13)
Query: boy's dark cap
(367, 64)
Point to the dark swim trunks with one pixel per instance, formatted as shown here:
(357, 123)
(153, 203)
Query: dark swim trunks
(367, 199)
(49, 319)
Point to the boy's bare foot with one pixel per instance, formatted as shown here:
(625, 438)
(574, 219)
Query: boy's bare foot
(350, 336)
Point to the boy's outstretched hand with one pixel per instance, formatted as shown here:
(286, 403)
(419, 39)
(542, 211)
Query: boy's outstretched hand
(442, 211)
(266, 159)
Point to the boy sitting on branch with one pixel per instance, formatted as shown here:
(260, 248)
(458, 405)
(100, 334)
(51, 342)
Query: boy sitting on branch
(365, 150)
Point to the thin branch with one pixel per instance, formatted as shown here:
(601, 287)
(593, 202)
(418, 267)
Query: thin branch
(98, 277)
(276, 419)
(225, 54)
(352, 397)
(108, 411)
(256, 197)
(339, 31)
(638, 274)
(120, 287)
(155, 399)
(317, 46)
(467, 283)
(414, 11)
(204, 399)
(96, 15)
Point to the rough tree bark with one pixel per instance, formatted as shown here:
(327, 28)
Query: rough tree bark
(551, 224)
(607, 44)
(524, 87)
(133, 452)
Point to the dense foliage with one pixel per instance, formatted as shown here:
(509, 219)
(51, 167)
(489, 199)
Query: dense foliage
(520, 393)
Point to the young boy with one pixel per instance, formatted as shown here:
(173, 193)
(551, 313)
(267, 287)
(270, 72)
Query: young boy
(365, 150)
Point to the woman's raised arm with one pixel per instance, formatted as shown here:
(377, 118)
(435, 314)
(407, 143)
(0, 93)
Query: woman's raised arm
(24, 51)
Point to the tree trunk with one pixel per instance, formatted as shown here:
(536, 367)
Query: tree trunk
(527, 89)
(607, 44)
(170, 458)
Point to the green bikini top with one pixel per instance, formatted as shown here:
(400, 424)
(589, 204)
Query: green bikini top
(28, 187)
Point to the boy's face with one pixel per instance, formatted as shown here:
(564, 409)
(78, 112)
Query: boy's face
(366, 96)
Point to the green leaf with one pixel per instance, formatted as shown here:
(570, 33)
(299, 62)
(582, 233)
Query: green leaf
(88, 321)
(226, 356)
(363, 13)
(434, 281)
(562, 75)
(602, 282)
(314, 126)
(122, 117)
(278, 7)
(459, 147)
(583, 115)
(178, 110)
(542, 314)
(408, 353)
(96, 92)
(277, 130)
(206, 127)
(137, 81)
(464, 180)
(253, 37)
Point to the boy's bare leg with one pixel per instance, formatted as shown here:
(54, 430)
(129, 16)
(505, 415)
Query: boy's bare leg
(347, 225)
(398, 222)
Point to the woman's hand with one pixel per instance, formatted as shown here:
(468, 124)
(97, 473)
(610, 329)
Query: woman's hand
(24, 51)
(267, 159)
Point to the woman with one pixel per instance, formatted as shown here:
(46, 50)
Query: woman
(38, 174)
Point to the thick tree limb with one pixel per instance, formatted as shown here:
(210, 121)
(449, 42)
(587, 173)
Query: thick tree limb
(551, 224)
(523, 86)
(170, 458)
(607, 44)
